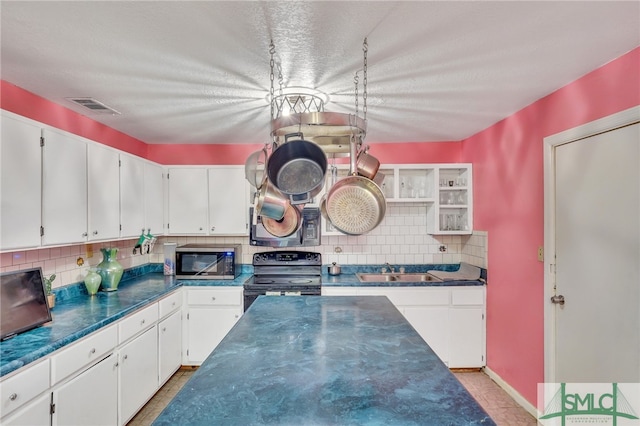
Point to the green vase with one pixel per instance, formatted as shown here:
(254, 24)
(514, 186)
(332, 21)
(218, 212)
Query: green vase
(92, 281)
(110, 269)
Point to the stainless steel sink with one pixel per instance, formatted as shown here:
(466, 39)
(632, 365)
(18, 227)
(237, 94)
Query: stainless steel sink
(407, 278)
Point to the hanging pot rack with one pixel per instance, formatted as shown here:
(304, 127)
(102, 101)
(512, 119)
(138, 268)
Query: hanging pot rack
(302, 111)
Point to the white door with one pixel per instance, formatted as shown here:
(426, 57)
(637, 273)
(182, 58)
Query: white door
(20, 184)
(228, 201)
(597, 242)
(138, 373)
(131, 196)
(103, 191)
(90, 398)
(64, 189)
(188, 201)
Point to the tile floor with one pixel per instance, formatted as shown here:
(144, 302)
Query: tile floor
(502, 409)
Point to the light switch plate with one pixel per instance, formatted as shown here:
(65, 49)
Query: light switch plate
(541, 254)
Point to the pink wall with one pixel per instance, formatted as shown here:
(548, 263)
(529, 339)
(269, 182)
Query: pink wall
(508, 203)
(27, 104)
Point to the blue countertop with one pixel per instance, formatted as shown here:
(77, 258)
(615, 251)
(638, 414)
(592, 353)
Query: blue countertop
(323, 360)
(76, 314)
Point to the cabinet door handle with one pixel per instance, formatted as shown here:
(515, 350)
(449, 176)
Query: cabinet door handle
(13, 396)
(213, 228)
(95, 232)
(142, 322)
(92, 351)
(200, 229)
(164, 329)
(213, 298)
(125, 357)
(84, 234)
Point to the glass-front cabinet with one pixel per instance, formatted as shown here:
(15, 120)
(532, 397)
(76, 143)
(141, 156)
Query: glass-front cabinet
(452, 211)
(446, 189)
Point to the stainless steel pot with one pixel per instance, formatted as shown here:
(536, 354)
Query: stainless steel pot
(334, 269)
(253, 172)
(297, 168)
(355, 205)
(271, 203)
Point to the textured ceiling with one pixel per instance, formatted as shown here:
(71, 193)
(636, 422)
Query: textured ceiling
(198, 72)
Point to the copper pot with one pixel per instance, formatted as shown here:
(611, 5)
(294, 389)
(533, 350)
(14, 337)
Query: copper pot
(290, 223)
(367, 165)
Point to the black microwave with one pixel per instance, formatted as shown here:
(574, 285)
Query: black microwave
(307, 235)
(208, 261)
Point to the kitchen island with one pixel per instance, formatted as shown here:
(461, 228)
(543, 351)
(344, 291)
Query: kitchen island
(323, 360)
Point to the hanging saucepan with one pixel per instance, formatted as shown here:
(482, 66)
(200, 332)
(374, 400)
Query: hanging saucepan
(355, 205)
(286, 226)
(252, 171)
(297, 168)
(270, 202)
(367, 164)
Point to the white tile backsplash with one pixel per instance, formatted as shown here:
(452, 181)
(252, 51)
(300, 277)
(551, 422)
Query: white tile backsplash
(401, 238)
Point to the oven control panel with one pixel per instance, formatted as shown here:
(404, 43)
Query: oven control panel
(284, 258)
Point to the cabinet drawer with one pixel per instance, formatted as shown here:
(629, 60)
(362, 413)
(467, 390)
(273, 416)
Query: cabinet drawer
(467, 296)
(83, 353)
(218, 296)
(137, 322)
(411, 296)
(170, 303)
(23, 387)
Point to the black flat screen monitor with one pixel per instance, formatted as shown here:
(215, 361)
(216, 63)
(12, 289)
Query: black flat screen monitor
(23, 302)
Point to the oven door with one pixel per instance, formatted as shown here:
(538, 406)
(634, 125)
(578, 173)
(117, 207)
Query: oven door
(252, 293)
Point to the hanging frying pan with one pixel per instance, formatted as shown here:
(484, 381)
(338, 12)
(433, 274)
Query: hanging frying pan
(355, 205)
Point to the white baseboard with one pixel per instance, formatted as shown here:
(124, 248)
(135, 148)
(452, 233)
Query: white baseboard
(531, 409)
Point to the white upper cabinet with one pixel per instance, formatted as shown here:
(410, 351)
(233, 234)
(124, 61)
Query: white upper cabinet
(20, 178)
(188, 201)
(132, 218)
(453, 207)
(228, 202)
(64, 188)
(154, 198)
(103, 193)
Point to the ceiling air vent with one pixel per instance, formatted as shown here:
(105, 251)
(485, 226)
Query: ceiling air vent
(94, 106)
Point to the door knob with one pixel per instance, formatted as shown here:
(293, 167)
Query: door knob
(559, 299)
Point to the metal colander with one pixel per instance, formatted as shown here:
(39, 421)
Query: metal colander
(355, 205)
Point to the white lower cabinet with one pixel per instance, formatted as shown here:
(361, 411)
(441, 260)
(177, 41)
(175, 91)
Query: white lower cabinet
(429, 322)
(90, 398)
(169, 346)
(450, 319)
(19, 392)
(36, 413)
(138, 373)
(210, 314)
(102, 379)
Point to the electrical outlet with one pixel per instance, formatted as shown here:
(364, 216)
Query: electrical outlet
(541, 254)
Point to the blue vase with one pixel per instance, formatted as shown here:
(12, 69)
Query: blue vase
(110, 269)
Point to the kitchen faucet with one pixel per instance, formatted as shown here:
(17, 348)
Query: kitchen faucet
(391, 269)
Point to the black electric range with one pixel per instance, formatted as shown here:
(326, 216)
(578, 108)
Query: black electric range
(284, 273)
